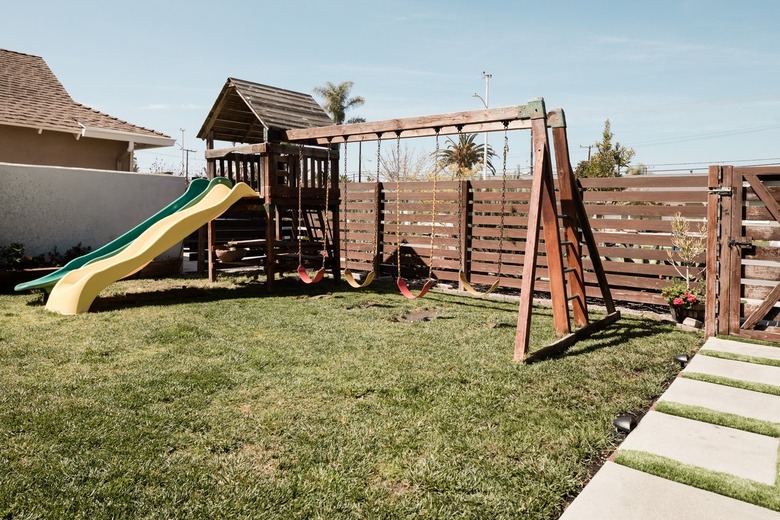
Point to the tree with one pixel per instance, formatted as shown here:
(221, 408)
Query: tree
(402, 163)
(465, 157)
(337, 100)
(608, 159)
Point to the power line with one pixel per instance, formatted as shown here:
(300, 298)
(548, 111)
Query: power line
(725, 133)
(717, 162)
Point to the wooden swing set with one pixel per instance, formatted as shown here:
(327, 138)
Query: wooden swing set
(563, 250)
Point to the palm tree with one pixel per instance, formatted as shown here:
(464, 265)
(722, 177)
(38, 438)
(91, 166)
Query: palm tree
(337, 100)
(465, 155)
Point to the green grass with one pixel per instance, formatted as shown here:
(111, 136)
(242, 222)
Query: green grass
(736, 383)
(722, 483)
(740, 357)
(181, 399)
(699, 413)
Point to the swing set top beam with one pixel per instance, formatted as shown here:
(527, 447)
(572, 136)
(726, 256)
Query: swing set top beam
(473, 121)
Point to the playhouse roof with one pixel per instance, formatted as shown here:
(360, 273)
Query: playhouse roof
(247, 112)
(31, 96)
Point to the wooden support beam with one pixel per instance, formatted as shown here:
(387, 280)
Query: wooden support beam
(711, 316)
(379, 228)
(733, 180)
(567, 189)
(541, 160)
(567, 341)
(463, 226)
(210, 250)
(334, 204)
(552, 244)
(469, 121)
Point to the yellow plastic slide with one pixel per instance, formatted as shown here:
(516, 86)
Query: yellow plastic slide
(76, 291)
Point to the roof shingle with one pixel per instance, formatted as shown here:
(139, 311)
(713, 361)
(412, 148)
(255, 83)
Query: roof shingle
(32, 96)
(243, 110)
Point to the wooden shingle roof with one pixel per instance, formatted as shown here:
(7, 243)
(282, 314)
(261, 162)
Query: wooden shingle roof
(247, 112)
(31, 96)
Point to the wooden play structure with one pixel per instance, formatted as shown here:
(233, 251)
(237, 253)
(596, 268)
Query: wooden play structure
(294, 165)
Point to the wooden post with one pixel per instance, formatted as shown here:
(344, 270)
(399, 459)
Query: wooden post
(334, 221)
(567, 188)
(714, 222)
(733, 180)
(552, 244)
(532, 239)
(212, 271)
(210, 163)
(379, 228)
(270, 218)
(204, 251)
(463, 211)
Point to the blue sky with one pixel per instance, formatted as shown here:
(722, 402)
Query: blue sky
(685, 83)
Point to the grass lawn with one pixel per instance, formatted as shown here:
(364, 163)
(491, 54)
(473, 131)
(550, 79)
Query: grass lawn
(181, 399)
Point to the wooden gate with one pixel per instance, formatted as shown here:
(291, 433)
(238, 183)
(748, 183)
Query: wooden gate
(743, 254)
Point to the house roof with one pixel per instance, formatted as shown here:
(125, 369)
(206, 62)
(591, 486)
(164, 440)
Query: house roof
(244, 111)
(32, 96)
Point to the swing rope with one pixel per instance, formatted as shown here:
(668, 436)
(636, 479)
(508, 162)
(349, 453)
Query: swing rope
(348, 276)
(302, 273)
(462, 274)
(400, 281)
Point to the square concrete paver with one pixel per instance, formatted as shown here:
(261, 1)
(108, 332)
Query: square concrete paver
(746, 349)
(727, 399)
(740, 370)
(619, 493)
(717, 448)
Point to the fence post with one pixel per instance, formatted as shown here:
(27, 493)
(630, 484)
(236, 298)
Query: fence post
(712, 306)
(379, 228)
(465, 196)
(733, 220)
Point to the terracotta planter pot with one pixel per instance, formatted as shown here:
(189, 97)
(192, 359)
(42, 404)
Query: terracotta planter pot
(229, 255)
(680, 313)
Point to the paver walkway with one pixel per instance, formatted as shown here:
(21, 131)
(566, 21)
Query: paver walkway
(620, 492)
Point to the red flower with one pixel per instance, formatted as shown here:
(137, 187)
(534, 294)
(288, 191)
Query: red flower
(691, 298)
(678, 301)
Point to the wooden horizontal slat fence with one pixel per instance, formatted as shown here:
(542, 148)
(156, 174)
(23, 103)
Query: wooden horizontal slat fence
(481, 229)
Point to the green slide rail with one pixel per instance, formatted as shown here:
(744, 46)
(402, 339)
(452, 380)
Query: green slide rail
(197, 189)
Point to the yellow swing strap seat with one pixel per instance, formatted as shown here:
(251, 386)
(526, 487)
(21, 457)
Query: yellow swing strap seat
(462, 276)
(350, 278)
(470, 288)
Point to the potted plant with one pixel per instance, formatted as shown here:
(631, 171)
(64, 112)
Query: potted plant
(685, 293)
(228, 254)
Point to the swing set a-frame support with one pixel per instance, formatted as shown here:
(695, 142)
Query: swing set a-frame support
(565, 270)
(543, 214)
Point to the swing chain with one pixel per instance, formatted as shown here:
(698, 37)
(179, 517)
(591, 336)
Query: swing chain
(325, 241)
(503, 200)
(346, 215)
(433, 207)
(301, 165)
(397, 203)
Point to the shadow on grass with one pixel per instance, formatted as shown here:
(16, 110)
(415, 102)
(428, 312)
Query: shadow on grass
(625, 330)
(286, 287)
(289, 287)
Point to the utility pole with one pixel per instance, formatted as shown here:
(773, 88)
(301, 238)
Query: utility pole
(181, 145)
(185, 158)
(486, 101)
(589, 148)
(187, 164)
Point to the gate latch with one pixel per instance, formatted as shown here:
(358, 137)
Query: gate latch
(744, 242)
(721, 192)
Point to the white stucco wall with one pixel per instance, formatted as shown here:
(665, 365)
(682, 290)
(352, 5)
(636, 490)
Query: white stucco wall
(46, 206)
